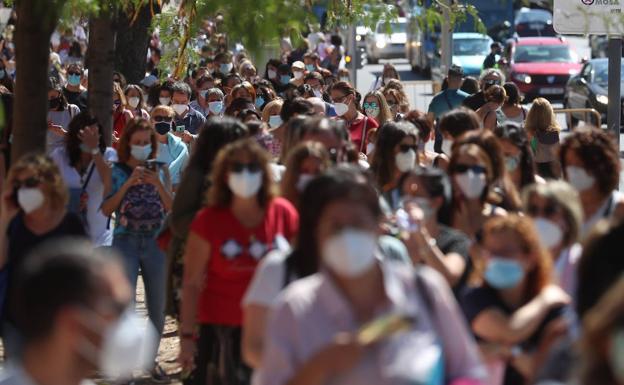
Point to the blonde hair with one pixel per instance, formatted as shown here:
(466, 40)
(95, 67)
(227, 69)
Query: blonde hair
(270, 106)
(52, 184)
(384, 110)
(295, 158)
(166, 109)
(541, 117)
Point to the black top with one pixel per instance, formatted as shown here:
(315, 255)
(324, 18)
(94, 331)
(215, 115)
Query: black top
(22, 241)
(474, 101)
(78, 98)
(478, 299)
(490, 61)
(449, 241)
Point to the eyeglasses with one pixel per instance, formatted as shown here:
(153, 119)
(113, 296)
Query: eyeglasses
(407, 147)
(547, 210)
(28, 183)
(159, 119)
(462, 168)
(251, 167)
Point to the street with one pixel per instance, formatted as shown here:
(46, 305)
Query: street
(419, 88)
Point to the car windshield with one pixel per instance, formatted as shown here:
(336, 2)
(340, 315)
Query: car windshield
(394, 27)
(467, 47)
(535, 16)
(543, 53)
(601, 73)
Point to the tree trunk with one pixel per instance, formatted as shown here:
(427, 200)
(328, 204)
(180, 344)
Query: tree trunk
(100, 60)
(36, 21)
(132, 43)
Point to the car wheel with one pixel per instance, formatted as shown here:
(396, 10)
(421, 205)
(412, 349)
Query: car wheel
(571, 121)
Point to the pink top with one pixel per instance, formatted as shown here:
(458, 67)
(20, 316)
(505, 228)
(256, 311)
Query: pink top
(312, 311)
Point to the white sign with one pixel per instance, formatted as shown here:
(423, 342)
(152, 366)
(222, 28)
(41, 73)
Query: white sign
(596, 17)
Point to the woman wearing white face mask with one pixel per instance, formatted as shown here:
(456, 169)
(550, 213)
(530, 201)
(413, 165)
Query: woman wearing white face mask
(471, 173)
(140, 197)
(557, 214)
(395, 153)
(347, 109)
(242, 222)
(315, 334)
(136, 101)
(304, 162)
(33, 210)
(590, 161)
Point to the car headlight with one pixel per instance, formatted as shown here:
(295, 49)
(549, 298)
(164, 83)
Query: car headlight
(524, 78)
(602, 99)
(358, 38)
(380, 44)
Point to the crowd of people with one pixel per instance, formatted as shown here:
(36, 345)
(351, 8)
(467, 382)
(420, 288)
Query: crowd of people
(300, 232)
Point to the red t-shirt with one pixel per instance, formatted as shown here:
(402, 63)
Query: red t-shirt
(357, 129)
(235, 253)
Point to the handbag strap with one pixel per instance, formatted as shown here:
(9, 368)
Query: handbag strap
(363, 143)
(89, 174)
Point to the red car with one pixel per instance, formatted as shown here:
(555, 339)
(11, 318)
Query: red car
(540, 66)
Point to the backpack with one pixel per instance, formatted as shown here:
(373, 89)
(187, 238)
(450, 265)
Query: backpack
(141, 209)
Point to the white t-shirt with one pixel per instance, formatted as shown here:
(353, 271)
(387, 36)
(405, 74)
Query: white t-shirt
(60, 118)
(268, 280)
(98, 222)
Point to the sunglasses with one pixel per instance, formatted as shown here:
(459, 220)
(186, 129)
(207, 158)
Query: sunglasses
(159, 119)
(407, 147)
(462, 168)
(74, 73)
(251, 167)
(492, 82)
(28, 183)
(370, 105)
(547, 211)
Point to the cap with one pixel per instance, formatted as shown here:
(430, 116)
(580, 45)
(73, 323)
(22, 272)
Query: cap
(149, 81)
(456, 70)
(298, 65)
(496, 45)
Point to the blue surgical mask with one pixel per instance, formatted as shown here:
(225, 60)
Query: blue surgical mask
(310, 67)
(73, 80)
(225, 68)
(259, 102)
(285, 79)
(503, 273)
(275, 121)
(141, 153)
(2, 74)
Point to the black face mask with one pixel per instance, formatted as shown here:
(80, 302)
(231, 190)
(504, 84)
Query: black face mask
(163, 127)
(54, 103)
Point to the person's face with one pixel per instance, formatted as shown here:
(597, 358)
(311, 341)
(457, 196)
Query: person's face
(53, 94)
(571, 159)
(164, 94)
(141, 138)
(540, 207)
(206, 86)
(244, 159)
(413, 188)
(465, 159)
(315, 84)
(338, 97)
(242, 93)
(409, 142)
(327, 139)
(392, 103)
(231, 83)
(308, 61)
(179, 98)
(490, 80)
(214, 98)
(132, 93)
(249, 73)
(505, 244)
(344, 214)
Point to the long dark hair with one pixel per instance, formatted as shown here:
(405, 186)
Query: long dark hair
(72, 141)
(389, 135)
(517, 136)
(344, 182)
(213, 135)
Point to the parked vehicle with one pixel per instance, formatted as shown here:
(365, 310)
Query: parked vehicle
(470, 50)
(540, 66)
(387, 41)
(534, 22)
(589, 89)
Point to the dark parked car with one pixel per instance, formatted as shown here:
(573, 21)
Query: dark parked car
(589, 89)
(534, 22)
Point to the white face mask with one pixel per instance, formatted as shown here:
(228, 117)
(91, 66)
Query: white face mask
(272, 74)
(303, 181)
(350, 253)
(580, 179)
(405, 161)
(215, 107)
(133, 101)
(275, 121)
(164, 101)
(549, 232)
(179, 109)
(341, 108)
(245, 184)
(471, 184)
(317, 93)
(30, 199)
(447, 146)
(141, 153)
(298, 75)
(126, 347)
(344, 79)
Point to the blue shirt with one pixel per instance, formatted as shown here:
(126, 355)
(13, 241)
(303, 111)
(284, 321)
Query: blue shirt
(445, 101)
(192, 121)
(176, 155)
